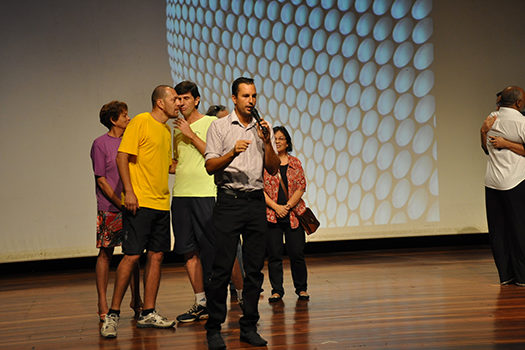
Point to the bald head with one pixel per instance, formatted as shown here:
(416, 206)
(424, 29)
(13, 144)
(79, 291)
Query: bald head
(512, 97)
(159, 93)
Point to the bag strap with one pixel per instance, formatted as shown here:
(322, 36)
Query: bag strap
(282, 184)
(284, 189)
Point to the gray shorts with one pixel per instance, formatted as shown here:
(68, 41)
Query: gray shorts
(191, 219)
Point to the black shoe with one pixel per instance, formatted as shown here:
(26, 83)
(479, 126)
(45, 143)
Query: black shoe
(304, 296)
(215, 341)
(195, 313)
(275, 298)
(253, 338)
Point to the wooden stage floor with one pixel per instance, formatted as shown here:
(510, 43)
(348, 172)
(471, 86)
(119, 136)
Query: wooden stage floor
(428, 298)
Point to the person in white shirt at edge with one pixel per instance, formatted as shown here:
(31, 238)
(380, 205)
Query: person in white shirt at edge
(501, 134)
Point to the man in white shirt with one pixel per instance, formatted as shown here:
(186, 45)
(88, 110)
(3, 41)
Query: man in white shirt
(505, 189)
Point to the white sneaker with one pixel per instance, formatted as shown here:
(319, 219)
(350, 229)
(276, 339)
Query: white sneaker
(110, 325)
(154, 320)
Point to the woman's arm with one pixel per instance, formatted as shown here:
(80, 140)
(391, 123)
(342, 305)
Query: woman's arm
(296, 197)
(300, 180)
(102, 182)
(280, 210)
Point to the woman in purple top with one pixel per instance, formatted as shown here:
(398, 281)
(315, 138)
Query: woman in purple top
(113, 115)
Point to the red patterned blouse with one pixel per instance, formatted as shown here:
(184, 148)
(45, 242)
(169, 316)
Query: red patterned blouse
(296, 181)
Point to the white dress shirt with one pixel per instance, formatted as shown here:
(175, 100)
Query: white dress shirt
(506, 169)
(245, 172)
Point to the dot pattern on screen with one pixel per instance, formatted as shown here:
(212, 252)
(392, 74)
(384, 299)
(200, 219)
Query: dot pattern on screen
(352, 82)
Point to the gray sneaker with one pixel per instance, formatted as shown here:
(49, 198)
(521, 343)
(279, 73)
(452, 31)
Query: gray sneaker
(154, 320)
(110, 325)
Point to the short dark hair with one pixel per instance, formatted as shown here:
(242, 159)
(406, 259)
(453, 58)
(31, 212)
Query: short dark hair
(510, 96)
(188, 86)
(111, 111)
(282, 129)
(159, 93)
(215, 109)
(239, 81)
(498, 98)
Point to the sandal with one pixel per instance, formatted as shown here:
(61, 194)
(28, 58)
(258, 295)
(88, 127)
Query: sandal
(101, 317)
(137, 310)
(275, 298)
(303, 295)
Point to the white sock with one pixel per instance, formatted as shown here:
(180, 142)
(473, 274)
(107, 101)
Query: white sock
(200, 298)
(239, 294)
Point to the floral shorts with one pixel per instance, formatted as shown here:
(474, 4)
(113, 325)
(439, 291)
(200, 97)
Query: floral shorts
(109, 229)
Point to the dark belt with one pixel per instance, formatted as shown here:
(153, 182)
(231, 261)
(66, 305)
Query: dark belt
(257, 194)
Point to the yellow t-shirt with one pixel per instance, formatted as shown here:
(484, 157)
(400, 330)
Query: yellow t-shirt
(191, 178)
(150, 141)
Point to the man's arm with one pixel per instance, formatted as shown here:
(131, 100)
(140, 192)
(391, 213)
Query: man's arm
(175, 156)
(102, 182)
(184, 127)
(130, 201)
(271, 159)
(485, 127)
(173, 167)
(214, 165)
(499, 143)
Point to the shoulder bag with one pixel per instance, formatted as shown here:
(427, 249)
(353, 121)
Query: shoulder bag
(307, 220)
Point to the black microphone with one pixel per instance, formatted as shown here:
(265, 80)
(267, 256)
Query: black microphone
(257, 117)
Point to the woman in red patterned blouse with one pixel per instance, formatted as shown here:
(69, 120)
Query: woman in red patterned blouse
(282, 208)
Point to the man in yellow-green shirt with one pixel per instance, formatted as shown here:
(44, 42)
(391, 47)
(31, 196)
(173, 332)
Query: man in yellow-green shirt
(143, 161)
(193, 197)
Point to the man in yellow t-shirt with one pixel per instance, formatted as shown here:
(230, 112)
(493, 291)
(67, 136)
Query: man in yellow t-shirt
(143, 160)
(193, 197)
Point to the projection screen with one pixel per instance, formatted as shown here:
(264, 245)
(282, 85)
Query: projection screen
(352, 81)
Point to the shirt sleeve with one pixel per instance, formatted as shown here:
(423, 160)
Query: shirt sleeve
(98, 158)
(213, 142)
(205, 131)
(300, 174)
(132, 137)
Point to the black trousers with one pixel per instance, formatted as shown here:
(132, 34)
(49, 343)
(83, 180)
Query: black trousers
(506, 222)
(295, 241)
(233, 216)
